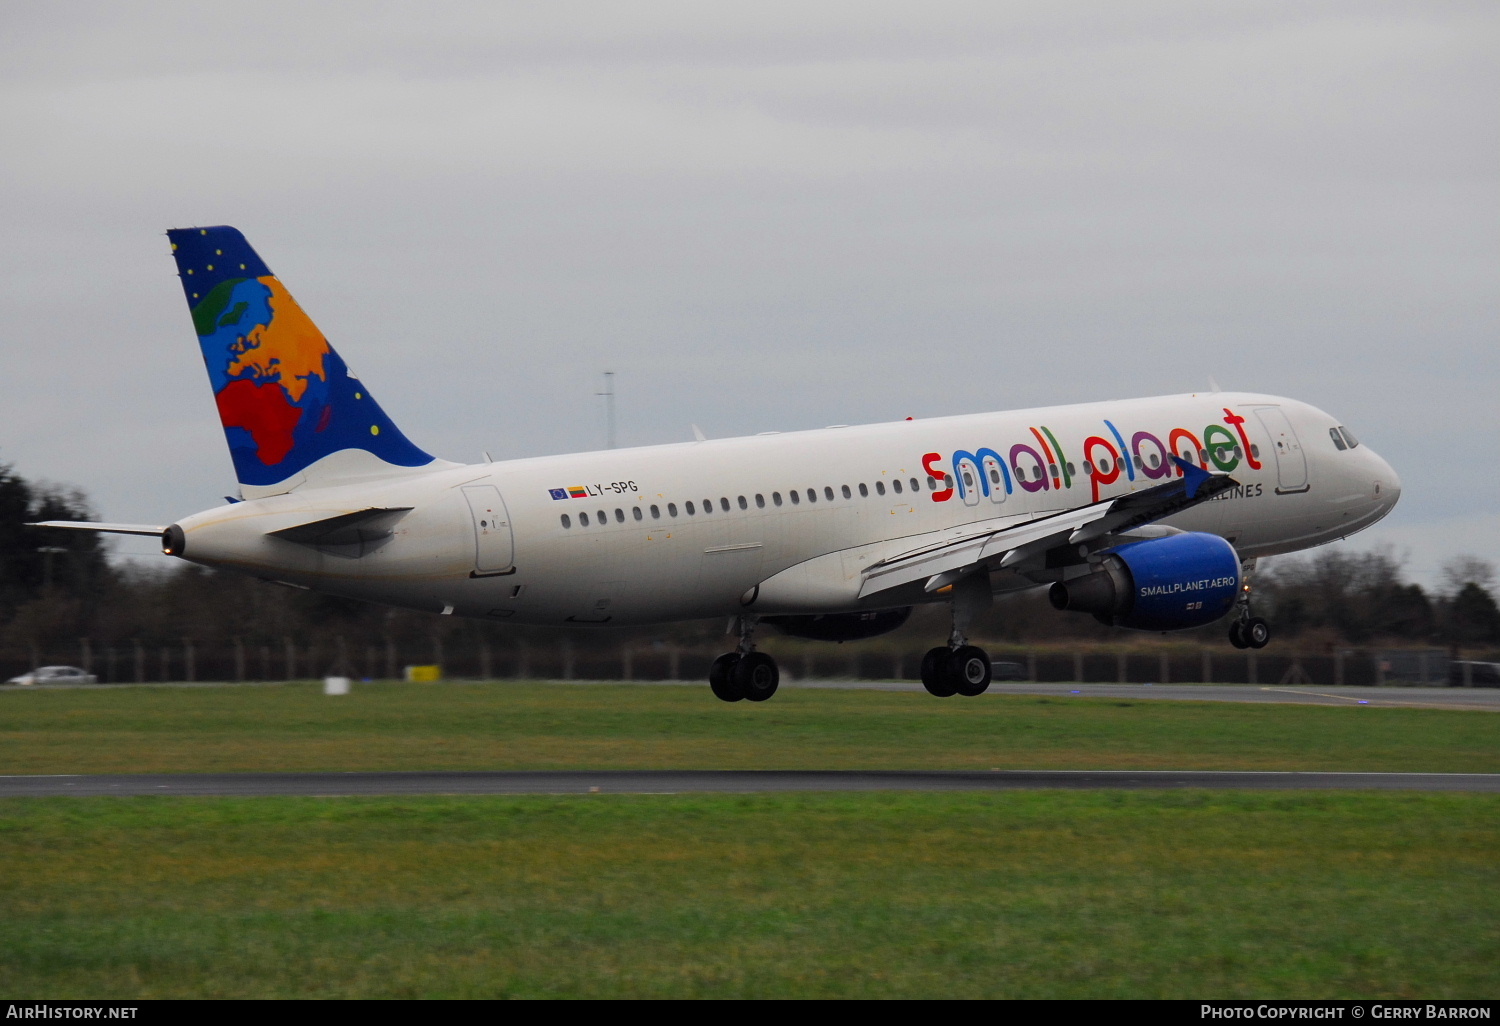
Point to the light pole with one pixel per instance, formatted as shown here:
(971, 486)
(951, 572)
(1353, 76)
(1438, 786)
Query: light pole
(609, 409)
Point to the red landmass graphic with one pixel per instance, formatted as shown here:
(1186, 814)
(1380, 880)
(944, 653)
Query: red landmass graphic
(264, 411)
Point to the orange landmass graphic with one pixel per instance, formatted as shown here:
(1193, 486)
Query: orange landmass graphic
(291, 346)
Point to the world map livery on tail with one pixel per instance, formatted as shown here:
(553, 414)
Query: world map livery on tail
(285, 398)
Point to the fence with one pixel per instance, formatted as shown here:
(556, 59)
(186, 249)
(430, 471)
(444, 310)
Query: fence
(134, 662)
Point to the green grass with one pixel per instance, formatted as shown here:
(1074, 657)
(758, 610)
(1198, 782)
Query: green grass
(1012, 894)
(530, 726)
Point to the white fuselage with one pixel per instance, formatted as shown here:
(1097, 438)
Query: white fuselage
(650, 539)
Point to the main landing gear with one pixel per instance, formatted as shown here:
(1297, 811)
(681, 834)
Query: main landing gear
(744, 673)
(1247, 631)
(959, 668)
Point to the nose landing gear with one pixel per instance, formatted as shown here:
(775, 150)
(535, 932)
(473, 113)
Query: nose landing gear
(744, 673)
(1247, 631)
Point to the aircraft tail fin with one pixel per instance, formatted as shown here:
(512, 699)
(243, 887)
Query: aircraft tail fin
(286, 400)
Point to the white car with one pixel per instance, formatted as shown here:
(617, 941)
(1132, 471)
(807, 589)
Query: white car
(55, 675)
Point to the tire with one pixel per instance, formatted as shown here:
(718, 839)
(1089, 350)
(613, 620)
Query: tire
(1257, 633)
(756, 676)
(1237, 634)
(935, 676)
(969, 670)
(721, 678)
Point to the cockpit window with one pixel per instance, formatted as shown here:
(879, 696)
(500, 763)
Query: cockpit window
(1338, 439)
(1349, 437)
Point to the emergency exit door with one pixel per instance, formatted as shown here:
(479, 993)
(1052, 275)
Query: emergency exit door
(494, 545)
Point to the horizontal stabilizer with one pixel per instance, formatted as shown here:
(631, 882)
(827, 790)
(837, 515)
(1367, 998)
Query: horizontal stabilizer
(348, 534)
(83, 525)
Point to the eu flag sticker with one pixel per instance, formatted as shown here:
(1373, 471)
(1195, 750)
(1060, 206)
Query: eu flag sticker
(558, 493)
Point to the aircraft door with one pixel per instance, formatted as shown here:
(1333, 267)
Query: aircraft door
(1291, 461)
(968, 476)
(995, 474)
(494, 545)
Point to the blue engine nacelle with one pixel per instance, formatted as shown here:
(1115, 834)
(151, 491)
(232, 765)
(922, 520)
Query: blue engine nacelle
(1164, 584)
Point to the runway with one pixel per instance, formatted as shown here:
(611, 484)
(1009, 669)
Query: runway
(715, 782)
(1480, 699)
(1476, 699)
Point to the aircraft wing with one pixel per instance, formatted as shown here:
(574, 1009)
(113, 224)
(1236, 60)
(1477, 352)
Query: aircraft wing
(996, 545)
(84, 525)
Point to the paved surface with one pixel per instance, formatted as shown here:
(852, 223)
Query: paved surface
(1484, 699)
(732, 782)
(1297, 694)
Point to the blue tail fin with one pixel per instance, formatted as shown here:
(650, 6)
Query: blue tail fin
(285, 398)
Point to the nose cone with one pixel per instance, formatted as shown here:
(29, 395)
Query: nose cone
(1386, 485)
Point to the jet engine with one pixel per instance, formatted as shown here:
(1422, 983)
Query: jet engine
(1162, 584)
(840, 626)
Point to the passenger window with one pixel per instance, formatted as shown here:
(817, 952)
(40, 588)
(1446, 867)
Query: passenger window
(847, 493)
(724, 504)
(619, 516)
(914, 486)
(812, 495)
(828, 493)
(603, 518)
(688, 506)
(776, 498)
(1202, 456)
(583, 519)
(743, 503)
(635, 511)
(760, 501)
(708, 505)
(994, 476)
(896, 484)
(1255, 450)
(1103, 464)
(968, 479)
(1138, 464)
(864, 491)
(1088, 468)
(655, 512)
(671, 509)
(931, 483)
(1338, 439)
(567, 521)
(796, 499)
(879, 487)
(1052, 469)
(1072, 470)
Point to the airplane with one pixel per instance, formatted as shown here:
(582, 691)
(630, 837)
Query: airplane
(1148, 514)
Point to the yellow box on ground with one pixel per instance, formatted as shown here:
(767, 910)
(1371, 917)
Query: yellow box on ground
(423, 674)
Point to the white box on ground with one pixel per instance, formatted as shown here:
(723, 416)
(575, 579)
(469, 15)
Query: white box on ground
(335, 685)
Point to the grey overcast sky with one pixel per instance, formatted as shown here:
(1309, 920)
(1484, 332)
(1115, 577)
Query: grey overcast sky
(762, 216)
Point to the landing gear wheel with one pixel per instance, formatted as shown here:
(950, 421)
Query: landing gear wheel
(1256, 632)
(935, 677)
(756, 676)
(721, 678)
(969, 670)
(1237, 634)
